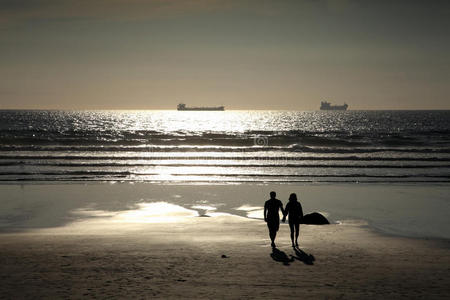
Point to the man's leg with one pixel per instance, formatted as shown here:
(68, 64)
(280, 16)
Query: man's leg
(272, 234)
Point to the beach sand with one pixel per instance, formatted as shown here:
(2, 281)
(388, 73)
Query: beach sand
(225, 257)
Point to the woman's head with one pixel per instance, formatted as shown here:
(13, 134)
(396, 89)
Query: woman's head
(293, 197)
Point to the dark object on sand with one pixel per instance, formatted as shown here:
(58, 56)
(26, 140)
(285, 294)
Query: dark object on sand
(224, 256)
(314, 219)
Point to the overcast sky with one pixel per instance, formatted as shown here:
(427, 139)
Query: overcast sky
(255, 54)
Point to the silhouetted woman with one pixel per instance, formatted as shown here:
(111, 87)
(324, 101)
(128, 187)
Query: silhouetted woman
(295, 212)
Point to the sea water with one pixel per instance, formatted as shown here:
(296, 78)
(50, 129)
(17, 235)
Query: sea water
(230, 146)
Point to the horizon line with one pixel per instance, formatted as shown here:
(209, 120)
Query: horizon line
(174, 109)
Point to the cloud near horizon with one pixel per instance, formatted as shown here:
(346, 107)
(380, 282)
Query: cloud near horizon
(14, 12)
(17, 11)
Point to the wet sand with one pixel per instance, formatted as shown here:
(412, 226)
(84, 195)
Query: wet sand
(219, 257)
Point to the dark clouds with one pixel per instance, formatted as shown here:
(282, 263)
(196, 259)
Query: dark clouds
(245, 54)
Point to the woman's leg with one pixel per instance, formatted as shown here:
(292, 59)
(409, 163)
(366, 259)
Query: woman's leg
(297, 232)
(291, 227)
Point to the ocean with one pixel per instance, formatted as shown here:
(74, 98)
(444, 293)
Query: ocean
(223, 147)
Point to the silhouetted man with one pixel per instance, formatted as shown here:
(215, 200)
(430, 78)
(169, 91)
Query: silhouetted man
(271, 215)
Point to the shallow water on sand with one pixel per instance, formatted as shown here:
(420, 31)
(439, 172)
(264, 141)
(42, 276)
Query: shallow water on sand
(400, 209)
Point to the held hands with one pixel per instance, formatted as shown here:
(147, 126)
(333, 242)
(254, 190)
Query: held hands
(283, 220)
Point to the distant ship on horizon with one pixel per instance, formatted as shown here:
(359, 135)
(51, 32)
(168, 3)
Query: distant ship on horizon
(183, 106)
(324, 105)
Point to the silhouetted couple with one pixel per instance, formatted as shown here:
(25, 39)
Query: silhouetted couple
(293, 210)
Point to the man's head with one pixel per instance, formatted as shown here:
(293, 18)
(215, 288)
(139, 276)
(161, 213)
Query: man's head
(273, 195)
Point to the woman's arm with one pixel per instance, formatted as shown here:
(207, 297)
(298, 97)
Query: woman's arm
(301, 210)
(284, 211)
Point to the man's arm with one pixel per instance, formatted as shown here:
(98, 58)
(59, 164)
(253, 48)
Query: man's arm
(283, 211)
(265, 212)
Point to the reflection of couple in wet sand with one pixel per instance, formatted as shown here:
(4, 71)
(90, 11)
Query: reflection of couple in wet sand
(293, 210)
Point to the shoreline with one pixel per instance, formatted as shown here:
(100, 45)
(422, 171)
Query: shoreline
(227, 182)
(421, 210)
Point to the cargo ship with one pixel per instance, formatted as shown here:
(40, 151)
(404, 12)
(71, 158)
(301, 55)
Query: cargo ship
(324, 105)
(183, 106)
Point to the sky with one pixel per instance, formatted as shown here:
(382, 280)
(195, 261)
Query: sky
(246, 54)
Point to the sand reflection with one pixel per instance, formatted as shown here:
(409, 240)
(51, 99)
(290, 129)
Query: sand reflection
(254, 212)
(153, 212)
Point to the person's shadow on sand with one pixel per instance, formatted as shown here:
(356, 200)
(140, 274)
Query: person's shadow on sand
(280, 256)
(307, 259)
